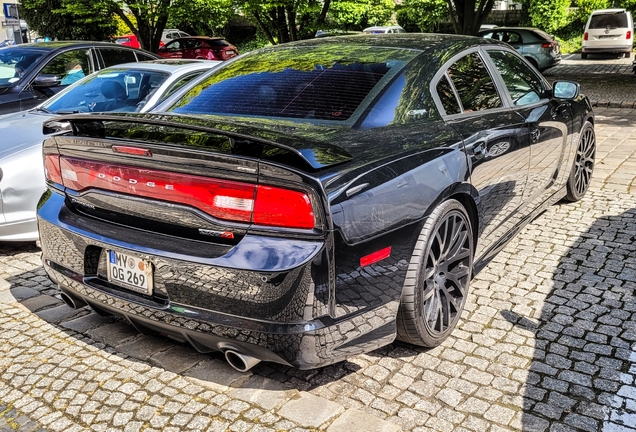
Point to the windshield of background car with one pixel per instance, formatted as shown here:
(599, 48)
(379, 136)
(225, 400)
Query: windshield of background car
(611, 20)
(15, 62)
(114, 89)
(316, 83)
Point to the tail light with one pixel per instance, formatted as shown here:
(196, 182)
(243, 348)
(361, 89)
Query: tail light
(585, 36)
(223, 199)
(547, 44)
(52, 168)
(628, 35)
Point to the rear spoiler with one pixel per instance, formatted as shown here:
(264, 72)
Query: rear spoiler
(317, 154)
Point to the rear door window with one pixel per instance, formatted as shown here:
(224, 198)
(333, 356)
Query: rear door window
(115, 56)
(473, 84)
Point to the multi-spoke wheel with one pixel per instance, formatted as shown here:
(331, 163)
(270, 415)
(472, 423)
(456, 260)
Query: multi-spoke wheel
(581, 174)
(438, 277)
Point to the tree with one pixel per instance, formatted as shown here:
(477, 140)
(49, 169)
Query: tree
(548, 15)
(361, 13)
(150, 16)
(424, 14)
(201, 17)
(468, 15)
(49, 18)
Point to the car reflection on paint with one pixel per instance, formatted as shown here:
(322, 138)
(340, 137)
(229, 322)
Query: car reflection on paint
(326, 197)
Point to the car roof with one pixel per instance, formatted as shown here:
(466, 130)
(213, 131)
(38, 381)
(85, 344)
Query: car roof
(604, 11)
(199, 37)
(169, 65)
(51, 46)
(509, 28)
(416, 41)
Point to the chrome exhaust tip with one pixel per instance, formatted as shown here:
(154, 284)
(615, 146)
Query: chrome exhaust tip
(240, 362)
(72, 301)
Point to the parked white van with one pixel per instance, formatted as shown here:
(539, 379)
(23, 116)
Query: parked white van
(608, 31)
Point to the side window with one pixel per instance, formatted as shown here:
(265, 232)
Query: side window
(523, 84)
(174, 46)
(473, 84)
(447, 96)
(513, 37)
(144, 57)
(69, 66)
(115, 56)
(192, 43)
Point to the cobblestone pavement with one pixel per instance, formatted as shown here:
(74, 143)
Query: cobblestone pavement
(606, 79)
(547, 343)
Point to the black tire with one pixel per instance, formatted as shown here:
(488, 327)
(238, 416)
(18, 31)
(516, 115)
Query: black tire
(627, 54)
(438, 277)
(583, 55)
(583, 166)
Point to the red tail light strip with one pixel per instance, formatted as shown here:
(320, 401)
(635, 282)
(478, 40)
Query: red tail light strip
(52, 168)
(222, 199)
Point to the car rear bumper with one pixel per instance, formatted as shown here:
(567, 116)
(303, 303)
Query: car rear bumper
(279, 316)
(607, 49)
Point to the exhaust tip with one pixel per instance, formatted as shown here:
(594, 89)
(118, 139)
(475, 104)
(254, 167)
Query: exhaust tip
(240, 362)
(70, 301)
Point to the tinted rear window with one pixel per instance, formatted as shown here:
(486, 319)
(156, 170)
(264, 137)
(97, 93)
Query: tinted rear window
(611, 20)
(322, 83)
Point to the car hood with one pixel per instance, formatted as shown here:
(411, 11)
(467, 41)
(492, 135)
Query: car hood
(20, 130)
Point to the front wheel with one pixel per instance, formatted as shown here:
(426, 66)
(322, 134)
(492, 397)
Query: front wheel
(583, 167)
(438, 277)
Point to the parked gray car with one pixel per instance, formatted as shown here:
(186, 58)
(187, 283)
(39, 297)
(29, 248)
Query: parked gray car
(130, 87)
(538, 47)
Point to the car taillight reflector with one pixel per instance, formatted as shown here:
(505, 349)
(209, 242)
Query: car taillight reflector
(375, 256)
(223, 199)
(546, 45)
(52, 168)
(585, 36)
(138, 151)
(628, 35)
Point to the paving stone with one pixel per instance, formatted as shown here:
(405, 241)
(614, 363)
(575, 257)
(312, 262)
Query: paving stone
(113, 334)
(264, 392)
(310, 411)
(86, 322)
(361, 421)
(145, 347)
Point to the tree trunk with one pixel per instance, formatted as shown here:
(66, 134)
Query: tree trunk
(291, 23)
(261, 25)
(323, 12)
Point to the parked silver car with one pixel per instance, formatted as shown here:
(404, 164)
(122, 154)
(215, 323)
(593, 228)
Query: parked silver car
(136, 87)
(538, 47)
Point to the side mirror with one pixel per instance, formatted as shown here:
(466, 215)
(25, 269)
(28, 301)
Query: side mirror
(46, 81)
(566, 89)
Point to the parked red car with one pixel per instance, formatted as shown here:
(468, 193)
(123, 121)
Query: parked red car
(128, 40)
(199, 47)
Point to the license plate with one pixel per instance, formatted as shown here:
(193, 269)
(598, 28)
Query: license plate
(130, 271)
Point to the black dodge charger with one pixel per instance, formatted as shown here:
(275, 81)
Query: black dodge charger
(311, 201)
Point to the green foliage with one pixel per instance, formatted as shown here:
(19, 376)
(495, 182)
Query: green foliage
(50, 18)
(357, 14)
(201, 17)
(422, 15)
(570, 45)
(548, 15)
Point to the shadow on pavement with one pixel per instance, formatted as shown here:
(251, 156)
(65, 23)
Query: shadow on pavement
(33, 290)
(585, 337)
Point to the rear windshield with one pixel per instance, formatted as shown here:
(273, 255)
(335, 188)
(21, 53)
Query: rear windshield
(609, 20)
(320, 82)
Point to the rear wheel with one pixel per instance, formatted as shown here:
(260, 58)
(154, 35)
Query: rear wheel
(583, 55)
(581, 173)
(627, 54)
(438, 277)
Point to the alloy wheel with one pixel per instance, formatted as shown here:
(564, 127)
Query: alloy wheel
(447, 273)
(584, 163)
